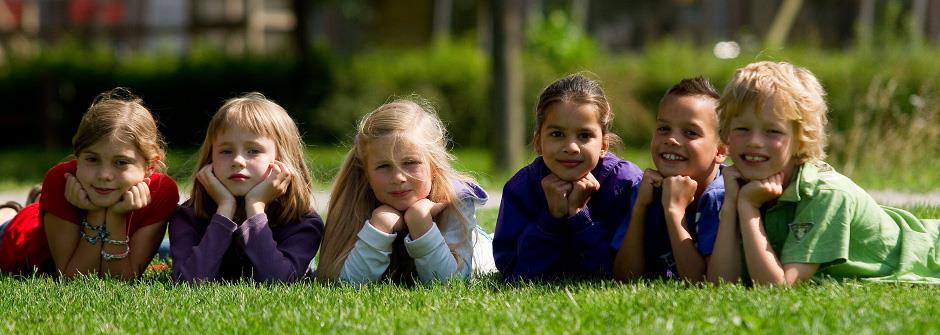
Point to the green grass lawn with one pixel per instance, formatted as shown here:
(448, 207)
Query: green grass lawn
(154, 304)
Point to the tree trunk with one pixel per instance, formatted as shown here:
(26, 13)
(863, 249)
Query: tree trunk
(507, 83)
(443, 11)
(865, 27)
(780, 28)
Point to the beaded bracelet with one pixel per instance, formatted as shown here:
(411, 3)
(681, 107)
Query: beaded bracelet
(101, 232)
(110, 257)
(117, 242)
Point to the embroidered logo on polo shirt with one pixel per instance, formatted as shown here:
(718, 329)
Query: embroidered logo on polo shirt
(800, 229)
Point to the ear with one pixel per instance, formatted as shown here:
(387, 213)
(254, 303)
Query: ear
(722, 153)
(537, 142)
(150, 166)
(605, 145)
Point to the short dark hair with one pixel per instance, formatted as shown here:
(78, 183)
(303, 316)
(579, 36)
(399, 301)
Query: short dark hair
(693, 87)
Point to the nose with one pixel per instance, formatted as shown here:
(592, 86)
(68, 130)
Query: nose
(753, 140)
(105, 174)
(571, 148)
(239, 161)
(671, 140)
(399, 176)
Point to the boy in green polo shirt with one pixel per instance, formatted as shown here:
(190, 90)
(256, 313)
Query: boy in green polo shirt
(793, 214)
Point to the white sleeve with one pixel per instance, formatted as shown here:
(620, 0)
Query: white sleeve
(433, 259)
(369, 257)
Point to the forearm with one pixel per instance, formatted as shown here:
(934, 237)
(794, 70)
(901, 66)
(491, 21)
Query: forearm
(119, 265)
(630, 262)
(369, 257)
(277, 260)
(86, 256)
(591, 245)
(433, 259)
(689, 262)
(725, 261)
(763, 265)
(198, 258)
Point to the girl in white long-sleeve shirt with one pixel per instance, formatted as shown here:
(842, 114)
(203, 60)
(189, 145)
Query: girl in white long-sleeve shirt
(398, 210)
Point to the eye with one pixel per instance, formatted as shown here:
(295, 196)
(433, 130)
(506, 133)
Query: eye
(382, 166)
(225, 151)
(775, 131)
(556, 133)
(122, 162)
(254, 151)
(91, 159)
(586, 135)
(663, 129)
(691, 134)
(740, 129)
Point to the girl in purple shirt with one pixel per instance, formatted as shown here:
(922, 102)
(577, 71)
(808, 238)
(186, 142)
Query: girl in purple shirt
(250, 214)
(558, 214)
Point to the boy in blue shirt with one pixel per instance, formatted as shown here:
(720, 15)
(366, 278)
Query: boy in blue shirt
(675, 218)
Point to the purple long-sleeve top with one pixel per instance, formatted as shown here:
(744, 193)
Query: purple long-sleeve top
(219, 249)
(531, 244)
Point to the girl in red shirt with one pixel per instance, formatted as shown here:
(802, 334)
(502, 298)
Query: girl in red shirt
(104, 212)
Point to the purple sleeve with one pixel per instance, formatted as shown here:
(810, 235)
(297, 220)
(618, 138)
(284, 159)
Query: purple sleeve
(527, 242)
(198, 257)
(284, 255)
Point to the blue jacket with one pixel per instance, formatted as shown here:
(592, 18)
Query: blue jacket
(529, 243)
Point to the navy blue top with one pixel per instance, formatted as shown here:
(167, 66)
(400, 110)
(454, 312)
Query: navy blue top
(529, 243)
(701, 219)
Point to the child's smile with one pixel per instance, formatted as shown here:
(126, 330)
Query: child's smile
(398, 172)
(109, 168)
(762, 144)
(686, 141)
(571, 140)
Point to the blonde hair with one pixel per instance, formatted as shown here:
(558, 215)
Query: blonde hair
(255, 113)
(793, 93)
(352, 200)
(576, 88)
(120, 115)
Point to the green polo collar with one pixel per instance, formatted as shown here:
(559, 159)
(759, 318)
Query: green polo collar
(803, 182)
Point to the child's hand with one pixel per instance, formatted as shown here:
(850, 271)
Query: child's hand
(423, 210)
(137, 197)
(652, 179)
(387, 219)
(581, 191)
(556, 195)
(420, 216)
(732, 178)
(759, 192)
(678, 192)
(75, 194)
(271, 187)
(223, 198)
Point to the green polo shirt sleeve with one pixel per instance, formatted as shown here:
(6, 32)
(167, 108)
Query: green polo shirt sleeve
(819, 231)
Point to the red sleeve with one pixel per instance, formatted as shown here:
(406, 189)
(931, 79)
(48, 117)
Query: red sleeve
(164, 199)
(53, 200)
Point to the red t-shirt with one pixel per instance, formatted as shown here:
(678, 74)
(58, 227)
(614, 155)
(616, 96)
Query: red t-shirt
(24, 243)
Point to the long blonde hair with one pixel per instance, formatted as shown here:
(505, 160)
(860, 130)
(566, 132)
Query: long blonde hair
(257, 114)
(352, 200)
(121, 115)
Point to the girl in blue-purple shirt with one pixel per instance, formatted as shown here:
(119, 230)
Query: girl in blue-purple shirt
(558, 214)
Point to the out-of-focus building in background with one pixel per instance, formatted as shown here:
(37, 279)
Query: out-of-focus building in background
(261, 26)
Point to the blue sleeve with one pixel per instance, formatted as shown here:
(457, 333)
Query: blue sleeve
(706, 221)
(527, 244)
(591, 245)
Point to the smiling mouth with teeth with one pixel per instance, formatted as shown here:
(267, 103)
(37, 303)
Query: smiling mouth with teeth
(754, 158)
(672, 157)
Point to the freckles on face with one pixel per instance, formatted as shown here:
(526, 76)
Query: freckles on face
(571, 139)
(398, 170)
(686, 139)
(108, 168)
(241, 159)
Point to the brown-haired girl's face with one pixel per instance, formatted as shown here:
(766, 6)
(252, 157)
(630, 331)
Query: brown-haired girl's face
(571, 140)
(399, 172)
(108, 168)
(761, 144)
(241, 159)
